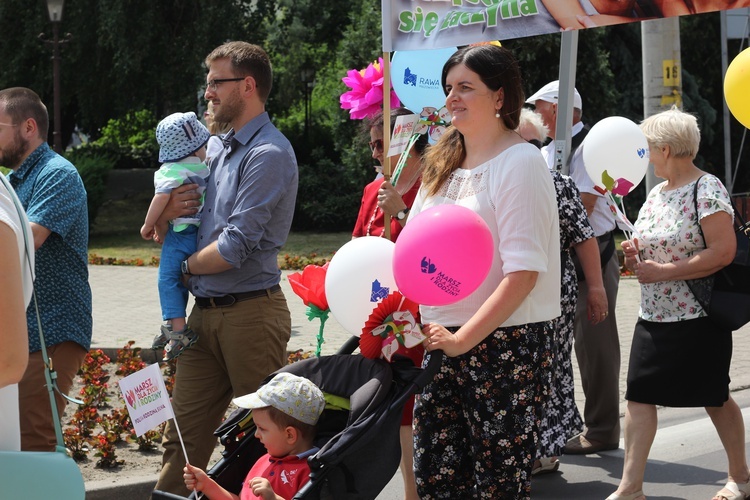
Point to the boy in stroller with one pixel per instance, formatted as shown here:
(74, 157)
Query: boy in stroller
(285, 413)
(358, 432)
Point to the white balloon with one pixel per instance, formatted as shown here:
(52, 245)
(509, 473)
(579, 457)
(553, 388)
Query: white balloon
(616, 148)
(359, 276)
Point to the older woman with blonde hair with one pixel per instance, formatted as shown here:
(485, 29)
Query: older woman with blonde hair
(679, 356)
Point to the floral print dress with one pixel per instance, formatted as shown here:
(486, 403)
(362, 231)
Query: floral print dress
(561, 418)
(668, 231)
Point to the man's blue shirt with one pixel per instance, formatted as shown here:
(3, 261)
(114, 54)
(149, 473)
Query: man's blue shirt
(52, 192)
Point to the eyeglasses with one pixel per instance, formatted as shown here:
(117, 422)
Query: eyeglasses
(9, 124)
(376, 144)
(214, 84)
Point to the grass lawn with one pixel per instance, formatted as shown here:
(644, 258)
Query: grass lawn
(116, 234)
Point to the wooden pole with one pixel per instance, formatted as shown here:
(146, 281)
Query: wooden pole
(386, 132)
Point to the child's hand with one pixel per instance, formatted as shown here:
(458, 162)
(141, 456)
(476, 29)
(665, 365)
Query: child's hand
(160, 233)
(262, 488)
(195, 478)
(147, 232)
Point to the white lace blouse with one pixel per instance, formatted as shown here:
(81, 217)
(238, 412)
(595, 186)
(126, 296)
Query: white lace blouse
(515, 196)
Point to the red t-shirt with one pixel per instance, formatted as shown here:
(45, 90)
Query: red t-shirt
(370, 216)
(287, 475)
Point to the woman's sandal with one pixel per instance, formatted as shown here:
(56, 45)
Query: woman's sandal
(632, 496)
(546, 465)
(734, 491)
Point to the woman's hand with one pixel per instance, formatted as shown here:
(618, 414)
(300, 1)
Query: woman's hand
(597, 304)
(440, 338)
(183, 201)
(630, 249)
(649, 271)
(389, 200)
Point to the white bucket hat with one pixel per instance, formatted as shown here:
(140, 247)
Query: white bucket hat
(296, 396)
(551, 92)
(179, 135)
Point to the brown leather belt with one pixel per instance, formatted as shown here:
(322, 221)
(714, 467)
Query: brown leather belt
(231, 298)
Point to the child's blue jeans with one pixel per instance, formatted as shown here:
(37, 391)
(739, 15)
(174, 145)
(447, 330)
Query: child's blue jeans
(173, 296)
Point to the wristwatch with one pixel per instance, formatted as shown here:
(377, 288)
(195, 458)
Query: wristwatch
(402, 214)
(184, 269)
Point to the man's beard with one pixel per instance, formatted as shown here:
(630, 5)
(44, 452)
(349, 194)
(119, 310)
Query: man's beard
(229, 109)
(12, 156)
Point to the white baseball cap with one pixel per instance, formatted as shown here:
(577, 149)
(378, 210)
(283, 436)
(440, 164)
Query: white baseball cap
(296, 396)
(550, 93)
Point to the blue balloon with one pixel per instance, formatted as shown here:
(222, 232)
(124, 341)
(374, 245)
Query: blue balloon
(416, 77)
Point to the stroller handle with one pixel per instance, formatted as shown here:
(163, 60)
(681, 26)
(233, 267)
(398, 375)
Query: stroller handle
(428, 372)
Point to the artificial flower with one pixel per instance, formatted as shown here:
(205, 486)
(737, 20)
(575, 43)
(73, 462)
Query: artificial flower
(310, 287)
(366, 97)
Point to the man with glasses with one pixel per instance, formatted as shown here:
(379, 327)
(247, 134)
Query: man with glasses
(52, 193)
(240, 313)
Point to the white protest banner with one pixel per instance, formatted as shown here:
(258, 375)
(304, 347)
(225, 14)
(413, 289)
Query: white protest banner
(432, 24)
(146, 399)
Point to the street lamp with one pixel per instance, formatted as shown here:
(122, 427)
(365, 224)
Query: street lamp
(307, 75)
(55, 9)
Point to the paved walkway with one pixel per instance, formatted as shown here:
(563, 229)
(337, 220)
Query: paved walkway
(126, 307)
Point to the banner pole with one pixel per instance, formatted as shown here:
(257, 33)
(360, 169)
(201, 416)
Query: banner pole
(386, 133)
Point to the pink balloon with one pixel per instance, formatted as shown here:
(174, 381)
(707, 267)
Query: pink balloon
(442, 255)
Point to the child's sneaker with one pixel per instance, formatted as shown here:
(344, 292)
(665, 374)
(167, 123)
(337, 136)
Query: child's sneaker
(178, 342)
(162, 339)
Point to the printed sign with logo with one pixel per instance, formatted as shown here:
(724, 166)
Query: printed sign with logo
(146, 399)
(403, 129)
(416, 77)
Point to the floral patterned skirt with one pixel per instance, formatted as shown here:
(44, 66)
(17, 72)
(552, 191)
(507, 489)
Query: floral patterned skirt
(561, 418)
(477, 424)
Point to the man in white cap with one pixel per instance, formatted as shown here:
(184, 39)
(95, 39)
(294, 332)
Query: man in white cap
(597, 346)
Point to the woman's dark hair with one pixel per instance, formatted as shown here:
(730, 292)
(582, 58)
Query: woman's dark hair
(376, 121)
(497, 68)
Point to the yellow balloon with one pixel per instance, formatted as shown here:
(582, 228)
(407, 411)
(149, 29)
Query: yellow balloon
(737, 87)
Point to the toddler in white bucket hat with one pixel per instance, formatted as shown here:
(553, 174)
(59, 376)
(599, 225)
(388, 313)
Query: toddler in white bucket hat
(182, 149)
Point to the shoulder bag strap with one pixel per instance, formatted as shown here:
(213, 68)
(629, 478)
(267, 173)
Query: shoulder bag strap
(695, 207)
(49, 373)
(742, 226)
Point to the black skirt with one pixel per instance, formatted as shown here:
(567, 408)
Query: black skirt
(679, 364)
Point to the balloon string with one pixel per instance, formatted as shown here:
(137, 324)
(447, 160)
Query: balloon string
(628, 228)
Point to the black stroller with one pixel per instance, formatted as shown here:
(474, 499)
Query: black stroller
(359, 447)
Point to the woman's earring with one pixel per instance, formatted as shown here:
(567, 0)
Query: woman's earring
(497, 114)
